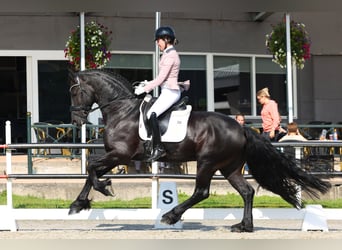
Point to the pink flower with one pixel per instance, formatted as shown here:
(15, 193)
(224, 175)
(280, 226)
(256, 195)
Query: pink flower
(306, 48)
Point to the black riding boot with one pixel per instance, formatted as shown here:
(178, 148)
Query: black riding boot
(158, 150)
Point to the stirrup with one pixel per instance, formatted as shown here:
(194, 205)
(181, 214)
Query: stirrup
(156, 154)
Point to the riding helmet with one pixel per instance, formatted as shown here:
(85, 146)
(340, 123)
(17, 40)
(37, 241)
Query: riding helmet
(165, 32)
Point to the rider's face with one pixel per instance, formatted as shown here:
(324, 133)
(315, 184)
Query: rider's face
(161, 44)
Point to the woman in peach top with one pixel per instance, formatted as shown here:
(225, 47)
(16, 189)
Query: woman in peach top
(168, 80)
(269, 115)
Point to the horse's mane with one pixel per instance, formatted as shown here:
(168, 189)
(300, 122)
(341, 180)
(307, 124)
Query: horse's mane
(114, 82)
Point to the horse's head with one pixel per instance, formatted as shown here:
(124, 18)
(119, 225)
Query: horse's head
(82, 99)
(89, 86)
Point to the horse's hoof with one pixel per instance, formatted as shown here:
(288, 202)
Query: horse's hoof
(240, 228)
(73, 211)
(102, 187)
(167, 220)
(79, 205)
(170, 218)
(107, 192)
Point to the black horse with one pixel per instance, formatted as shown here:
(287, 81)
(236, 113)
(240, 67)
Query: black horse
(215, 141)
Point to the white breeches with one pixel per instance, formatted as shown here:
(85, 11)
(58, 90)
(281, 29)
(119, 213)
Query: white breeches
(165, 100)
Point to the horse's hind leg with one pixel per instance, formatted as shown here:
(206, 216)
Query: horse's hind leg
(201, 192)
(247, 193)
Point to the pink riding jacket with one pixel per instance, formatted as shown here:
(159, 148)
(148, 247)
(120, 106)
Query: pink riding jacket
(168, 71)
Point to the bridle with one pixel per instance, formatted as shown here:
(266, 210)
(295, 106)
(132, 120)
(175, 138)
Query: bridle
(87, 109)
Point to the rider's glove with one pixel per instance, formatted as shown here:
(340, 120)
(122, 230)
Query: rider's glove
(139, 90)
(144, 83)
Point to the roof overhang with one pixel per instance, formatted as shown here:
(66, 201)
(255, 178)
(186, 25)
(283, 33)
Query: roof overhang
(217, 6)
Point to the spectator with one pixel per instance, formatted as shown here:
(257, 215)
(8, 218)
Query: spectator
(240, 118)
(293, 133)
(269, 115)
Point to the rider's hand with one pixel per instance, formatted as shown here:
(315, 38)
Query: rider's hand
(139, 90)
(143, 83)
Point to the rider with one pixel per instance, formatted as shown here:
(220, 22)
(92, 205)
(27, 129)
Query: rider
(168, 80)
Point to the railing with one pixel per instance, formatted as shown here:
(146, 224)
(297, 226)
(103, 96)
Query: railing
(315, 156)
(63, 133)
(310, 131)
(299, 147)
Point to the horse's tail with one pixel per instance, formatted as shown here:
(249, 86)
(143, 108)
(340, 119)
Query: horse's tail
(278, 173)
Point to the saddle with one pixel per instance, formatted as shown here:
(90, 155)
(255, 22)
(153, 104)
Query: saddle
(172, 123)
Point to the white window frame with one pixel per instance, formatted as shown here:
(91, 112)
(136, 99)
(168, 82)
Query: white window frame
(33, 56)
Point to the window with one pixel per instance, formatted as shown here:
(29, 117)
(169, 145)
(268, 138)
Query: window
(236, 78)
(53, 88)
(236, 81)
(134, 67)
(13, 97)
(269, 74)
(193, 68)
(232, 85)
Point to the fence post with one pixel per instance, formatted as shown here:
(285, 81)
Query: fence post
(83, 150)
(155, 185)
(29, 140)
(9, 164)
(7, 221)
(298, 157)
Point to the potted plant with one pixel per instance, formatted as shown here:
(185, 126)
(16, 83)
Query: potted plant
(97, 41)
(300, 44)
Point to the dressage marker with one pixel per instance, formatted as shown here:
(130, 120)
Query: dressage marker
(314, 219)
(167, 199)
(7, 220)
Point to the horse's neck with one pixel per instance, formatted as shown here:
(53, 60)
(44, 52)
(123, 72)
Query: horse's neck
(102, 96)
(105, 94)
(114, 99)
(118, 110)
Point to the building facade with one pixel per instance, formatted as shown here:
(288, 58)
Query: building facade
(224, 56)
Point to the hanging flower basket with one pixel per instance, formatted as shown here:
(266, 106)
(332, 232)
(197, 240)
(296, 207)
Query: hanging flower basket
(300, 44)
(97, 40)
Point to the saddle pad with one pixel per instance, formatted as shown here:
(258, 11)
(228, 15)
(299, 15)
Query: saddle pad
(176, 129)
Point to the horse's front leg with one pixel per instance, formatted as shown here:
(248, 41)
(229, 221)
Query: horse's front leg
(94, 172)
(98, 185)
(98, 168)
(82, 201)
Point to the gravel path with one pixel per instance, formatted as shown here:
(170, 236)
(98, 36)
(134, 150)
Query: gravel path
(144, 229)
